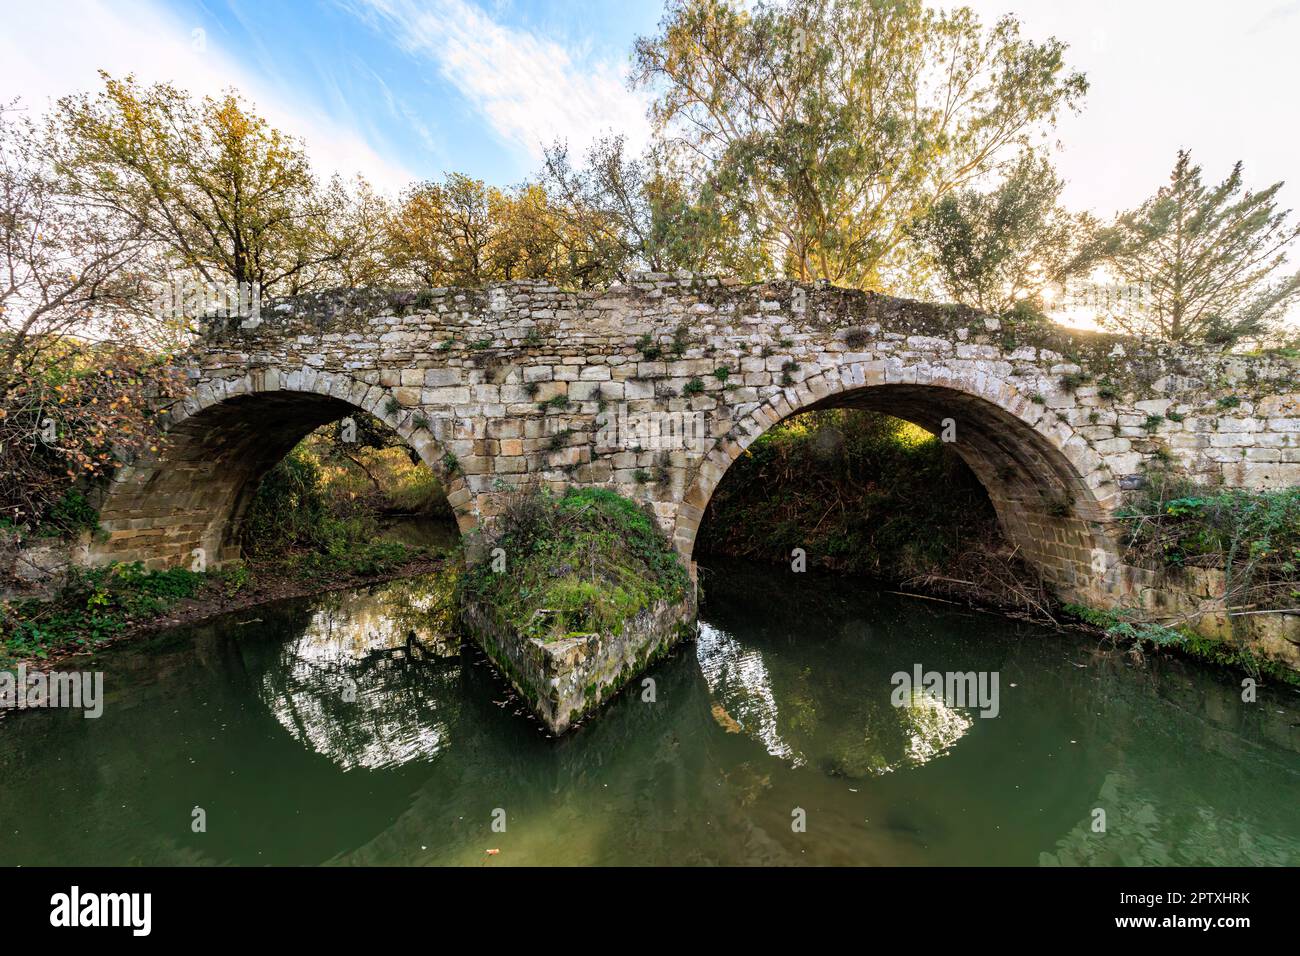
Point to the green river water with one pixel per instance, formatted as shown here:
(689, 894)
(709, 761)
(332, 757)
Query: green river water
(314, 732)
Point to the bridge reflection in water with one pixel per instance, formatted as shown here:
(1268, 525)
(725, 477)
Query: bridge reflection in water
(350, 729)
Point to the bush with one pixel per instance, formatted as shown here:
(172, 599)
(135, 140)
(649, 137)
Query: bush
(73, 414)
(94, 605)
(1252, 536)
(581, 563)
(288, 509)
(70, 515)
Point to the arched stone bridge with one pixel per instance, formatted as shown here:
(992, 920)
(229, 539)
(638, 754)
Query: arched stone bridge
(523, 381)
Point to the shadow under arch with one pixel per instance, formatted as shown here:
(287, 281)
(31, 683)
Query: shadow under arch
(220, 442)
(1053, 496)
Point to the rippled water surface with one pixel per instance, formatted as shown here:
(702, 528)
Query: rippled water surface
(317, 732)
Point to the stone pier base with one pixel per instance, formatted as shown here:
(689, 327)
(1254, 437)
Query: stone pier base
(566, 679)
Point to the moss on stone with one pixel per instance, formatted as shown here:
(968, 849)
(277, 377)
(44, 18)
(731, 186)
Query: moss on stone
(580, 563)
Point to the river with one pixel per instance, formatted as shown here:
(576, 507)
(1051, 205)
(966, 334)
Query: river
(316, 731)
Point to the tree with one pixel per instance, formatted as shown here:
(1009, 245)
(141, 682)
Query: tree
(1209, 260)
(995, 250)
(535, 240)
(441, 233)
(210, 182)
(639, 213)
(828, 126)
(463, 232)
(70, 407)
(60, 265)
(352, 239)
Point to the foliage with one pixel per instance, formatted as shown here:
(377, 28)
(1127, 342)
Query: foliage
(1127, 627)
(854, 489)
(306, 517)
(288, 509)
(992, 250)
(1208, 258)
(227, 196)
(64, 265)
(71, 416)
(640, 213)
(1252, 536)
(462, 232)
(94, 605)
(70, 515)
(584, 562)
(825, 127)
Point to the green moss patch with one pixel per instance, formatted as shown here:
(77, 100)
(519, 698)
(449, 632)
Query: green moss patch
(580, 563)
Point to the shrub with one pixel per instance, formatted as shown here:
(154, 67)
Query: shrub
(584, 562)
(1253, 536)
(72, 414)
(288, 509)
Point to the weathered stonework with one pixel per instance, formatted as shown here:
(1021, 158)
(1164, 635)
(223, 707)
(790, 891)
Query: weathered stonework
(524, 382)
(564, 680)
(36, 567)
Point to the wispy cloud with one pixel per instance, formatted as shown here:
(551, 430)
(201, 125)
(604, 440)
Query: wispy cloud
(48, 50)
(531, 89)
(1274, 17)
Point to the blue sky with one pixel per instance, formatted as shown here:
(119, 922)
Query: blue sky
(407, 89)
(395, 89)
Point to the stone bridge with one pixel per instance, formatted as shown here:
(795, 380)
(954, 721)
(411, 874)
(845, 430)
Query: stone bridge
(655, 387)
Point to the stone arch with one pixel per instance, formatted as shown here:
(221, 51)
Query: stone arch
(221, 440)
(1052, 493)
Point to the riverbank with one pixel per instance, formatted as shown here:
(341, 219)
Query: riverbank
(104, 607)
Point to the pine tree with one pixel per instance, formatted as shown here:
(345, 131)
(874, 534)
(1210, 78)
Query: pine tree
(1209, 260)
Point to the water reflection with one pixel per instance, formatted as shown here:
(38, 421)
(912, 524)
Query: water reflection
(742, 690)
(351, 729)
(346, 686)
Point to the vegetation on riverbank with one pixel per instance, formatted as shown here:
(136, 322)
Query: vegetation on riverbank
(1253, 537)
(1132, 629)
(867, 494)
(582, 562)
(314, 524)
(96, 606)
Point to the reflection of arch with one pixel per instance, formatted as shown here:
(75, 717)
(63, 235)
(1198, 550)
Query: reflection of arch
(221, 440)
(1051, 491)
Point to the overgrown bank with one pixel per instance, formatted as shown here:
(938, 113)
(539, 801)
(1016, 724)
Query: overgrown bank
(318, 522)
(1230, 558)
(867, 494)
